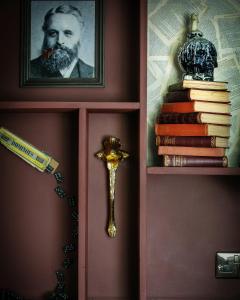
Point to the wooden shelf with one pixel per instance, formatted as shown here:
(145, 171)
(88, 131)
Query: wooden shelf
(68, 106)
(85, 116)
(158, 218)
(192, 171)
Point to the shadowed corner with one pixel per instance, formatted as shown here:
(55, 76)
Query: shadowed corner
(153, 159)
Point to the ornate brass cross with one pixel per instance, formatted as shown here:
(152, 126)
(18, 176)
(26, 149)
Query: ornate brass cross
(112, 155)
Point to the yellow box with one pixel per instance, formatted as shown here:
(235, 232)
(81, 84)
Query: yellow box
(27, 152)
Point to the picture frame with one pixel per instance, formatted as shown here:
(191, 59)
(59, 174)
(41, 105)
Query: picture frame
(227, 264)
(62, 43)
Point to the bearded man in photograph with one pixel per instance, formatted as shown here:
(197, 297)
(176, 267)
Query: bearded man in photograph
(62, 39)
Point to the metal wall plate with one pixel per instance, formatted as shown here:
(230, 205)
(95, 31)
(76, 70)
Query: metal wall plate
(227, 265)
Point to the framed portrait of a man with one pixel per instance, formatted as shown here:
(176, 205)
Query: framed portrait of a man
(62, 43)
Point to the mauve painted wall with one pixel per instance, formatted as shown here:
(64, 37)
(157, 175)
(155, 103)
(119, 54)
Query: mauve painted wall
(112, 264)
(190, 218)
(34, 222)
(120, 56)
(203, 219)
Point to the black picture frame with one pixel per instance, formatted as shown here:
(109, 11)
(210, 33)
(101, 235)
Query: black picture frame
(90, 55)
(227, 264)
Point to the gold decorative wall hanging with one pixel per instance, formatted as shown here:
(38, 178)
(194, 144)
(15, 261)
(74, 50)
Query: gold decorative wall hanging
(112, 155)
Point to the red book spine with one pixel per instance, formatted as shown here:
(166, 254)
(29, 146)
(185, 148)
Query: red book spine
(182, 129)
(179, 118)
(190, 141)
(181, 107)
(193, 161)
(191, 151)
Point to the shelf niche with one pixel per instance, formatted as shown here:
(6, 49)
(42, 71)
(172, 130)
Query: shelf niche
(112, 263)
(190, 218)
(120, 60)
(35, 223)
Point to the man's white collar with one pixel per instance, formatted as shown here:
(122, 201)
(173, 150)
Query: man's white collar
(66, 72)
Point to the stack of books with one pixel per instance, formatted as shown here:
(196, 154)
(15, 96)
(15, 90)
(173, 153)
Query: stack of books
(193, 127)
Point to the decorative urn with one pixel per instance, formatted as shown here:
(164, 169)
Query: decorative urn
(198, 56)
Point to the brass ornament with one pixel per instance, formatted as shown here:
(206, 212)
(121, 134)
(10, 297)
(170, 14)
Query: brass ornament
(112, 155)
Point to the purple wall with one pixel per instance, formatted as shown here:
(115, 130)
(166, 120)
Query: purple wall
(121, 58)
(35, 223)
(190, 218)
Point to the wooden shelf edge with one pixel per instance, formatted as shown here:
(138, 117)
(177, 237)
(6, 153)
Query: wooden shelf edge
(185, 298)
(68, 106)
(192, 171)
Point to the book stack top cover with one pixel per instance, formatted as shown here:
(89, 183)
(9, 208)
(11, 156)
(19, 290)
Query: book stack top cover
(193, 126)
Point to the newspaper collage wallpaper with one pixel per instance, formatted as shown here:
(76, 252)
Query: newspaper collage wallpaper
(219, 21)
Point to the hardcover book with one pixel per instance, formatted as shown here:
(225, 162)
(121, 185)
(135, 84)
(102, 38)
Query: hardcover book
(192, 141)
(192, 130)
(193, 161)
(190, 151)
(193, 118)
(196, 106)
(199, 84)
(200, 95)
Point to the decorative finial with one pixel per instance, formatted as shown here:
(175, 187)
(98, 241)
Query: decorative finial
(194, 22)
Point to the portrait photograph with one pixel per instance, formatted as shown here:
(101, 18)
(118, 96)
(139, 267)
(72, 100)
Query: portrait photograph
(62, 43)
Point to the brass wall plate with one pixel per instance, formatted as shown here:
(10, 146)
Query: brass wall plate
(227, 265)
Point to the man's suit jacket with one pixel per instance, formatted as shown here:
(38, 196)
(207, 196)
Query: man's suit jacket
(81, 70)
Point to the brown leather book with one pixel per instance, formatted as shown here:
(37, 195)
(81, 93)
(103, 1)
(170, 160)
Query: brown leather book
(196, 106)
(192, 141)
(199, 84)
(190, 151)
(193, 161)
(192, 130)
(193, 118)
(200, 95)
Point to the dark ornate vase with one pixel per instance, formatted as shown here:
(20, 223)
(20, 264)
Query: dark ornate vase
(198, 56)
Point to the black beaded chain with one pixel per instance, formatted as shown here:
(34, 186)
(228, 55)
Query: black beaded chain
(59, 293)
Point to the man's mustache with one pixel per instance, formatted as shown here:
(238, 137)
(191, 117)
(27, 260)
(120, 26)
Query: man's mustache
(61, 47)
